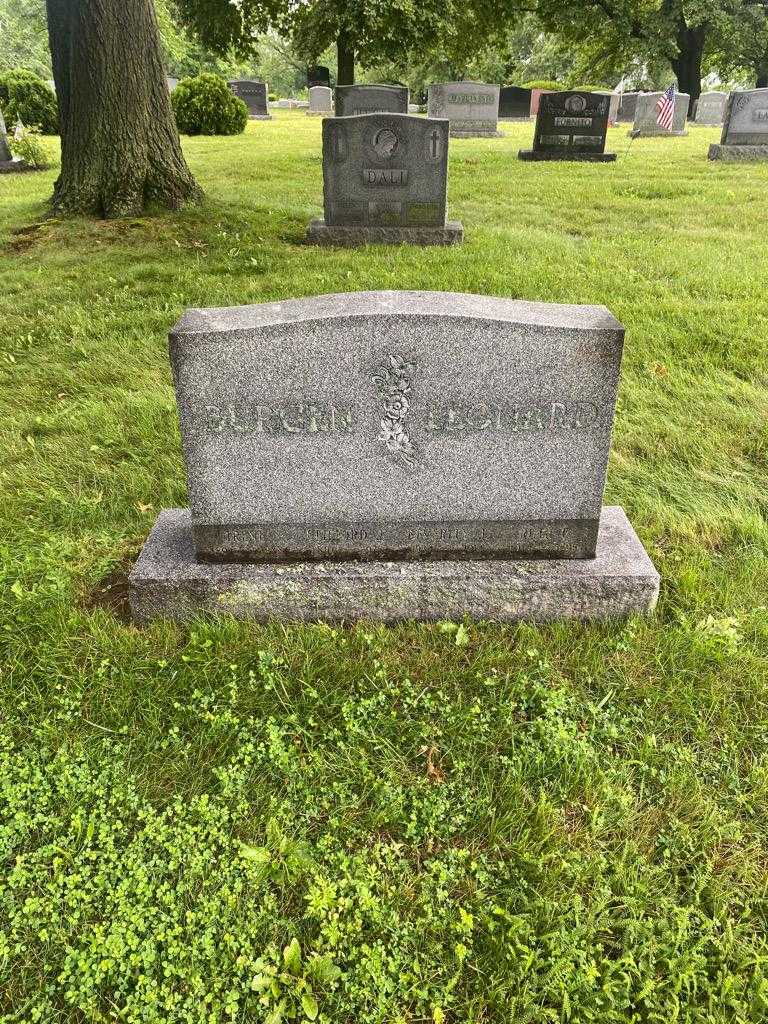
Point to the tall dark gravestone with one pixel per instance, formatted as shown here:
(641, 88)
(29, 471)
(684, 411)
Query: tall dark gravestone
(318, 74)
(370, 99)
(254, 95)
(571, 126)
(395, 455)
(514, 103)
(384, 180)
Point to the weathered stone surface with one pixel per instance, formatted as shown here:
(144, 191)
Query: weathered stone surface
(627, 106)
(571, 126)
(746, 119)
(370, 99)
(351, 237)
(471, 107)
(6, 156)
(645, 124)
(254, 95)
(710, 108)
(396, 424)
(167, 582)
(738, 154)
(320, 101)
(385, 179)
(514, 103)
(614, 99)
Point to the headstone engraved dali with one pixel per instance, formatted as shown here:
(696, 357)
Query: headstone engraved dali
(471, 107)
(370, 99)
(395, 455)
(710, 107)
(384, 180)
(254, 95)
(571, 126)
(646, 115)
(745, 127)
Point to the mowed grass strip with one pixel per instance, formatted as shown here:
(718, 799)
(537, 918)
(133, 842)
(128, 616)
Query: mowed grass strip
(456, 823)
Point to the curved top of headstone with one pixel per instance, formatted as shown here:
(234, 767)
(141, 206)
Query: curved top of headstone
(346, 305)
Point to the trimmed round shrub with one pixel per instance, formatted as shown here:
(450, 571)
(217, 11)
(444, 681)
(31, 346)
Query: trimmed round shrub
(25, 97)
(542, 83)
(205, 105)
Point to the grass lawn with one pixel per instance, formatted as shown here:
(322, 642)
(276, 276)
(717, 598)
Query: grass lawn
(472, 823)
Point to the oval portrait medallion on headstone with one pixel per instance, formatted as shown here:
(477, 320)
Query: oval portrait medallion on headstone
(575, 104)
(385, 143)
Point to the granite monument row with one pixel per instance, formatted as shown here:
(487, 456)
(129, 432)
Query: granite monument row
(370, 99)
(710, 107)
(385, 180)
(254, 95)
(571, 126)
(320, 101)
(745, 128)
(471, 107)
(395, 455)
(514, 103)
(646, 125)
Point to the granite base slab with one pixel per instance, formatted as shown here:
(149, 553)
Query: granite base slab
(648, 134)
(738, 154)
(350, 236)
(167, 582)
(16, 167)
(587, 158)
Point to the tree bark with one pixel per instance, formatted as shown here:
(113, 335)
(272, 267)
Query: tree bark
(345, 54)
(761, 72)
(687, 64)
(120, 150)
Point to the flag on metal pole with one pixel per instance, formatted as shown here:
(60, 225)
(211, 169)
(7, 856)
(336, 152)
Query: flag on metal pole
(666, 109)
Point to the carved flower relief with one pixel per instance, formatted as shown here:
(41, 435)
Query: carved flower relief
(393, 382)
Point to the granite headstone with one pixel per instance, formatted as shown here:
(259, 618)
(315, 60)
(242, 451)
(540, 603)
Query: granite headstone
(614, 100)
(571, 126)
(384, 180)
(370, 99)
(471, 107)
(536, 95)
(745, 128)
(320, 101)
(435, 438)
(646, 123)
(710, 107)
(8, 163)
(318, 74)
(627, 106)
(514, 103)
(254, 95)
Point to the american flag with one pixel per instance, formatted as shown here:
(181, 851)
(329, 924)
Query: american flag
(666, 109)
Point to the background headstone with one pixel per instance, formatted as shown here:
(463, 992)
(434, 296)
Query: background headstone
(614, 99)
(318, 74)
(571, 126)
(370, 99)
(471, 107)
(514, 103)
(645, 124)
(745, 127)
(536, 95)
(627, 106)
(710, 108)
(6, 157)
(320, 101)
(254, 95)
(384, 180)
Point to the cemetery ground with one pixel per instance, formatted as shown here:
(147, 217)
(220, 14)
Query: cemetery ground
(459, 822)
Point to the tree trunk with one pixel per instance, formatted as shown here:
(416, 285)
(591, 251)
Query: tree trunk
(345, 54)
(120, 149)
(761, 72)
(687, 63)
